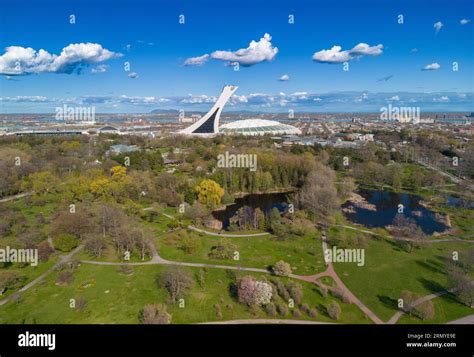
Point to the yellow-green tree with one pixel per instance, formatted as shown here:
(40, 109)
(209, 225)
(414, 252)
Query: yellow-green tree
(100, 187)
(43, 182)
(209, 192)
(118, 173)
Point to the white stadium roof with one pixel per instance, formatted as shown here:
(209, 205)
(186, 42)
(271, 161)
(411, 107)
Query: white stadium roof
(258, 127)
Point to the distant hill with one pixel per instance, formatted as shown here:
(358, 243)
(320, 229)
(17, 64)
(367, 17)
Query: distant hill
(164, 111)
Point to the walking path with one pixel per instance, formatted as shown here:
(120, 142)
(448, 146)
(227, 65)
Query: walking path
(329, 272)
(15, 197)
(228, 235)
(62, 260)
(421, 300)
(265, 321)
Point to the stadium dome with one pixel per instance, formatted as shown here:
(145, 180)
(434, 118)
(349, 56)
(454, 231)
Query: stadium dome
(258, 127)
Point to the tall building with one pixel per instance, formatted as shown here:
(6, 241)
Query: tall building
(208, 125)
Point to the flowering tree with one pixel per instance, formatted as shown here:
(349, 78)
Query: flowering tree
(282, 268)
(253, 292)
(263, 293)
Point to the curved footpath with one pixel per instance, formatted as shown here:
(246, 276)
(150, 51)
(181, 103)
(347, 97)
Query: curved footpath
(330, 272)
(265, 321)
(62, 260)
(226, 234)
(399, 313)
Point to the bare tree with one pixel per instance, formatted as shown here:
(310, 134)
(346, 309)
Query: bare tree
(176, 281)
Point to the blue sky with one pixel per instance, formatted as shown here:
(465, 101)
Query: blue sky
(148, 35)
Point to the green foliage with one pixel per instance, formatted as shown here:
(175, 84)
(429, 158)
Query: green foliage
(189, 243)
(209, 192)
(65, 242)
(223, 250)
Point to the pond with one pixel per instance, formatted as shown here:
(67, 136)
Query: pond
(457, 202)
(265, 201)
(385, 207)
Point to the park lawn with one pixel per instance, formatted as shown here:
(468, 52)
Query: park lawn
(303, 253)
(113, 297)
(388, 271)
(446, 307)
(28, 271)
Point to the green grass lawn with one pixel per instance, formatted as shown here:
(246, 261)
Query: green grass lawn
(447, 308)
(113, 297)
(28, 271)
(303, 253)
(388, 271)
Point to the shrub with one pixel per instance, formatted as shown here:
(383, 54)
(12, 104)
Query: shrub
(295, 290)
(65, 242)
(217, 307)
(282, 309)
(323, 290)
(282, 268)
(270, 309)
(189, 244)
(312, 313)
(297, 313)
(81, 304)
(65, 278)
(341, 295)
(425, 310)
(334, 310)
(305, 308)
(281, 289)
(155, 314)
(223, 250)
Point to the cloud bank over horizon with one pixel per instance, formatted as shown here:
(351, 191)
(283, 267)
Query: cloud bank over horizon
(350, 101)
(18, 61)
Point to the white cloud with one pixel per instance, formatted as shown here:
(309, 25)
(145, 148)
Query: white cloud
(363, 49)
(334, 55)
(464, 21)
(395, 98)
(442, 99)
(256, 52)
(196, 61)
(137, 100)
(133, 75)
(337, 55)
(284, 78)
(19, 60)
(198, 99)
(437, 26)
(101, 68)
(25, 99)
(431, 67)
(414, 50)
